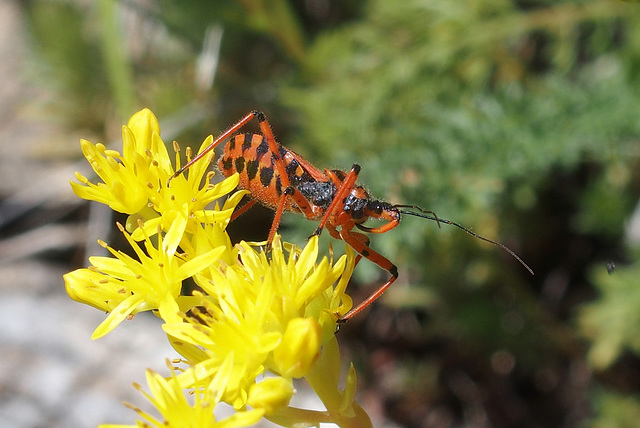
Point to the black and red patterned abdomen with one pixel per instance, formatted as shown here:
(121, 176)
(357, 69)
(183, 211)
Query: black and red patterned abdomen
(249, 155)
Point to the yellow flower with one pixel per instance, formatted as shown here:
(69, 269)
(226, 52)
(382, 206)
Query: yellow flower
(135, 182)
(266, 315)
(298, 348)
(193, 190)
(177, 411)
(255, 313)
(124, 286)
(125, 177)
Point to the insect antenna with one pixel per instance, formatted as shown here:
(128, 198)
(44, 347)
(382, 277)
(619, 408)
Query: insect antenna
(430, 215)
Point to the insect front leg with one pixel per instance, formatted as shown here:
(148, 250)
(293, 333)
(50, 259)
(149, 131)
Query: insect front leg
(391, 224)
(364, 239)
(360, 243)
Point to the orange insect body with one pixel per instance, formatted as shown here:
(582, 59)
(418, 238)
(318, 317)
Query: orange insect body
(284, 181)
(249, 156)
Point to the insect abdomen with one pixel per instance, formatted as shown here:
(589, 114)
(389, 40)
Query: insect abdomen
(249, 155)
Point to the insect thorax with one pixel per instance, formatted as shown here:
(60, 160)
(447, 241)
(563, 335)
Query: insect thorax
(317, 192)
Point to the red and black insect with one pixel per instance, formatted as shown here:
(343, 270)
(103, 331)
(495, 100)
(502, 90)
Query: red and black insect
(284, 181)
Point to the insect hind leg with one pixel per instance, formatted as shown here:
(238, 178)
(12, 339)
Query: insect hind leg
(226, 134)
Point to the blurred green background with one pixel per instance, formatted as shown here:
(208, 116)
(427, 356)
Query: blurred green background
(517, 119)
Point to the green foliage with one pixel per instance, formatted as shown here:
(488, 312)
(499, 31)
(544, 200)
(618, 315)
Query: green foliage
(440, 95)
(70, 61)
(612, 323)
(605, 203)
(273, 19)
(615, 411)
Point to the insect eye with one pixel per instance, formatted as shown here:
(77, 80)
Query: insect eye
(375, 206)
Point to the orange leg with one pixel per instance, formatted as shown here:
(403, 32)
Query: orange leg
(217, 141)
(382, 229)
(243, 209)
(276, 219)
(360, 245)
(363, 238)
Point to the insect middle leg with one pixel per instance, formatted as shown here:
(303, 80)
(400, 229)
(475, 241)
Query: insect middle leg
(243, 209)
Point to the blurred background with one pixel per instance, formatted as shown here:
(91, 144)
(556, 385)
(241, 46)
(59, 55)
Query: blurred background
(517, 119)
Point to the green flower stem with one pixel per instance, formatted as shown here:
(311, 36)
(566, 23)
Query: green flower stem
(292, 416)
(323, 378)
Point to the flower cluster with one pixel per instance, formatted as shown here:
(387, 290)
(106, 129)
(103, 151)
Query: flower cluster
(257, 321)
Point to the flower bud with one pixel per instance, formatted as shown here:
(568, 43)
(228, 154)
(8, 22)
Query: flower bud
(271, 394)
(299, 347)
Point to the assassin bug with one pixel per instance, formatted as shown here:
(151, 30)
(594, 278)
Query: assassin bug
(284, 181)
